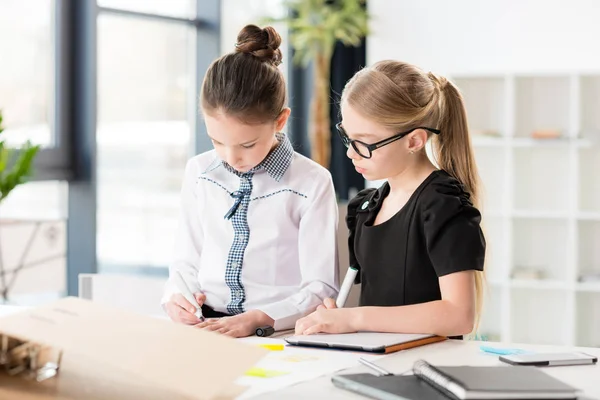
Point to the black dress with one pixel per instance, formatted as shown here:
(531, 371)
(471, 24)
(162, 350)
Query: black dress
(436, 233)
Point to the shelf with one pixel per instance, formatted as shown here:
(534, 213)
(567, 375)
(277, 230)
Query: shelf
(499, 141)
(593, 287)
(590, 104)
(539, 319)
(498, 283)
(537, 284)
(534, 187)
(540, 284)
(488, 141)
(485, 100)
(497, 257)
(588, 323)
(542, 103)
(540, 202)
(541, 245)
(490, 326)
(588, 216)
(559, 142)
(588, 247)
(589, 184)
(535, 214)
(493, 213)
(491, 163)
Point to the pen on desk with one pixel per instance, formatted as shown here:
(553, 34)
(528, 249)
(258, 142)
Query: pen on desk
(187, 293)
(381, 371)
(346, 287)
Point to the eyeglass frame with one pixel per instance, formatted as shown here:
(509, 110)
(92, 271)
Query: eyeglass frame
(374, 146)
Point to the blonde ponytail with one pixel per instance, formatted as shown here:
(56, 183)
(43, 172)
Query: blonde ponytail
(452, 149)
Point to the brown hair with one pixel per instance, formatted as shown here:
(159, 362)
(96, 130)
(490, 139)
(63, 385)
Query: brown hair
(400, 96)
(246, 83)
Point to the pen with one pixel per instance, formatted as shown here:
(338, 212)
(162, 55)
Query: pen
(346, 287)
(187, 293)
(380, 371)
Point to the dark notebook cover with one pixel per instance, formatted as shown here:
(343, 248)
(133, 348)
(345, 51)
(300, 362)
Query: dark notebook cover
(398, 387)
(505, 380)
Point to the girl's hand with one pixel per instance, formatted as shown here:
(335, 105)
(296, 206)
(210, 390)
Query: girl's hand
(237, 326)
(181, 310)
(327, 320)
(328, 304)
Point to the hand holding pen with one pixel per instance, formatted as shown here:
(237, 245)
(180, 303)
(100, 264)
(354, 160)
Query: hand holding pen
(185, 307)
(329, 303)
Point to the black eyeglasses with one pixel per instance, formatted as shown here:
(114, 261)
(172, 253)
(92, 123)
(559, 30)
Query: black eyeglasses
(365, 150)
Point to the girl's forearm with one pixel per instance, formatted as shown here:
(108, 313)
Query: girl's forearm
(439, 317)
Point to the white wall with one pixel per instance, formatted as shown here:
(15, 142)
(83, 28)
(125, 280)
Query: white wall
(489, 36)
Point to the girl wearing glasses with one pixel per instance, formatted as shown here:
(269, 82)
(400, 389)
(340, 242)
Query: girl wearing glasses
(251, 207)
(416, 240)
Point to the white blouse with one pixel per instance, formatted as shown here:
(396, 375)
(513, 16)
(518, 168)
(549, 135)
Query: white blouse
(264, 239)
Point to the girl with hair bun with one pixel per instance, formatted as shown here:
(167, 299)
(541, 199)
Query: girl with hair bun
(257, 236)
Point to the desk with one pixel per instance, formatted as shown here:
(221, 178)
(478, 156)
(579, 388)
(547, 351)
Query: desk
(450, 352)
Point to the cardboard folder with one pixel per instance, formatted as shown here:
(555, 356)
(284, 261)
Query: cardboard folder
(108, 353)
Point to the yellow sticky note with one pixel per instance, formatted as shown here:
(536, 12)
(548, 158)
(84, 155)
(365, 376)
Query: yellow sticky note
(273, 347)
(264, 373)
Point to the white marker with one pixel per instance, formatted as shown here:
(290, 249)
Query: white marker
(187, 293)
(346, 286)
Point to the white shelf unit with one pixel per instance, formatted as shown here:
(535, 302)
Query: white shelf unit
(540, 203)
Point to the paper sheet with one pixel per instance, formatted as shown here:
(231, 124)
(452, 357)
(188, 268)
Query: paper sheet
(300, 363)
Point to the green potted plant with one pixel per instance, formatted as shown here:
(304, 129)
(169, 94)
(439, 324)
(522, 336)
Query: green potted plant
(16, 167)
(314, 28)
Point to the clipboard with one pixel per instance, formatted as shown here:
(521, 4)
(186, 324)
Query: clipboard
(74, 348)
(372, 342)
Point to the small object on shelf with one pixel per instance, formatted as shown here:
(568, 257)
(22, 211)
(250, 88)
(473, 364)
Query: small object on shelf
(590, 277)
(528, 273)
(546, 134)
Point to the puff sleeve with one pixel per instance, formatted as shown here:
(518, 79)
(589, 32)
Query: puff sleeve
(451, 224)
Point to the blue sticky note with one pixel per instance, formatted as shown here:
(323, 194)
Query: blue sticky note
(501, 351)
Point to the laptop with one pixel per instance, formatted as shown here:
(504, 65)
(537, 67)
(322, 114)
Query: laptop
(373, 342)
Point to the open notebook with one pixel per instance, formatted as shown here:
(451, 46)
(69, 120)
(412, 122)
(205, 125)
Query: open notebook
(373, 342)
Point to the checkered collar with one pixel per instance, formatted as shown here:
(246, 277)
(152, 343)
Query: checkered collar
(276, 163)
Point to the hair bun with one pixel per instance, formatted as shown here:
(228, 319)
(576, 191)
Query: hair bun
(261, 43)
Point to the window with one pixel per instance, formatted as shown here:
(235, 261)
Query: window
(173, 8)
(146, 102)
(26, 70)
